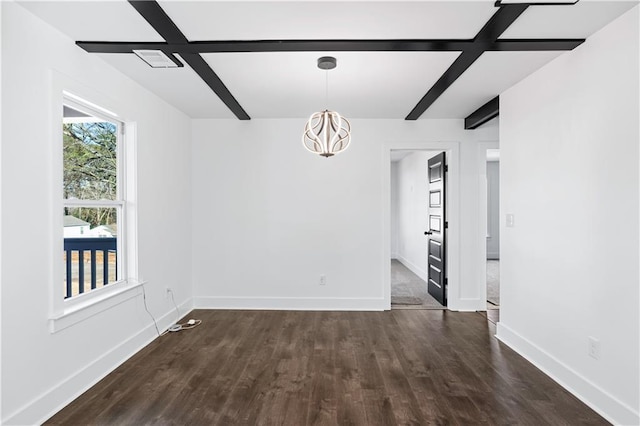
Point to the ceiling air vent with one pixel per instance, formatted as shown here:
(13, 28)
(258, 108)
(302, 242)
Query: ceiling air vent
(538, 2)
(156, 58)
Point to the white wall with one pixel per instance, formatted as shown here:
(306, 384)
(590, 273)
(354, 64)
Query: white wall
(413, 208)
(394, 210)
(569, 173)
(41, 371)
(1, 236)
(272, 218)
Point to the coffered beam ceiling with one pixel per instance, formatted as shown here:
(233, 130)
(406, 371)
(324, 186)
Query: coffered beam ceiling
(470, 49)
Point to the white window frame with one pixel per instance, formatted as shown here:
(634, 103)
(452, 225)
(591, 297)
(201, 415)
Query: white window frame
(120, 200)
(67, 312)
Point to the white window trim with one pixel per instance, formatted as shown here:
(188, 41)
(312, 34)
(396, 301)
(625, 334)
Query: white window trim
(119, 203)
(65, 313)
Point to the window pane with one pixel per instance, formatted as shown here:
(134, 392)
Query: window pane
(90, 160)
(90, 248)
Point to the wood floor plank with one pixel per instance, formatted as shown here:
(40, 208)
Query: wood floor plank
(377, 403)
(418, 364)
(328, 368)
(403, 400)
(201, 393)
(351, 409)
(246, 397)
(286, 399)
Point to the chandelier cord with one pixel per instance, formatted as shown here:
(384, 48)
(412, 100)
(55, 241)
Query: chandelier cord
(326, 89)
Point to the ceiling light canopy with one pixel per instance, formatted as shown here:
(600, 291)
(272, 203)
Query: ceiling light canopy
(327, 132)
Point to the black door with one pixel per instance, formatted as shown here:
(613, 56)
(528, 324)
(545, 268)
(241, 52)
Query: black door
(436, 250)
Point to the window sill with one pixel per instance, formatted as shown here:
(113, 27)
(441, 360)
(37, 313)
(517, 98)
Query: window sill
(79, 312)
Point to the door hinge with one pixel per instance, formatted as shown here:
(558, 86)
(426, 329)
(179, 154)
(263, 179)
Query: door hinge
(446, 282)
(446, 168)
(446, 225)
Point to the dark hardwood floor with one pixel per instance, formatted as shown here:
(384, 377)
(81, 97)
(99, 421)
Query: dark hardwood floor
(492, 315)
(425, 367)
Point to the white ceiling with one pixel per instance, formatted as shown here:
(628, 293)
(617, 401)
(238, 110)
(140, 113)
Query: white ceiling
(364, 85)
(231, 20)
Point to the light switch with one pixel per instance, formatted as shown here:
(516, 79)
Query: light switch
(511, 220)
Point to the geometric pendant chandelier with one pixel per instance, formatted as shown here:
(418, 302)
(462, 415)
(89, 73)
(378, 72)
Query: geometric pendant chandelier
(326, 133)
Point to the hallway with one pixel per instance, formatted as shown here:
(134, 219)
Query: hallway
(409, 291)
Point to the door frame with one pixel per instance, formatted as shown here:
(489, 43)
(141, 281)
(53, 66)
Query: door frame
(452, 149)
(483, 206)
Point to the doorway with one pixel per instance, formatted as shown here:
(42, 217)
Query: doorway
(453, 250)
(409, 190)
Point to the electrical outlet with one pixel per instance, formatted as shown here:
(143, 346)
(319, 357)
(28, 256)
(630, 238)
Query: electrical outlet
(594, 348)
(323, 280)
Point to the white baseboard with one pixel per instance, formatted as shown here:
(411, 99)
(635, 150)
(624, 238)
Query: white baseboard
(586, 391)
(59, 396)
(291, 303)
(468, 305)
(413, 267)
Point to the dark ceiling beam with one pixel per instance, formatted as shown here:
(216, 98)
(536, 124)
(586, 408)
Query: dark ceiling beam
(498, 23)
(508, 45)
(499, 3)
(397, 45)
(237, 46)
(125, 46)
(202, 68)
(459, 66)
(160, 21)
(483, 114)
